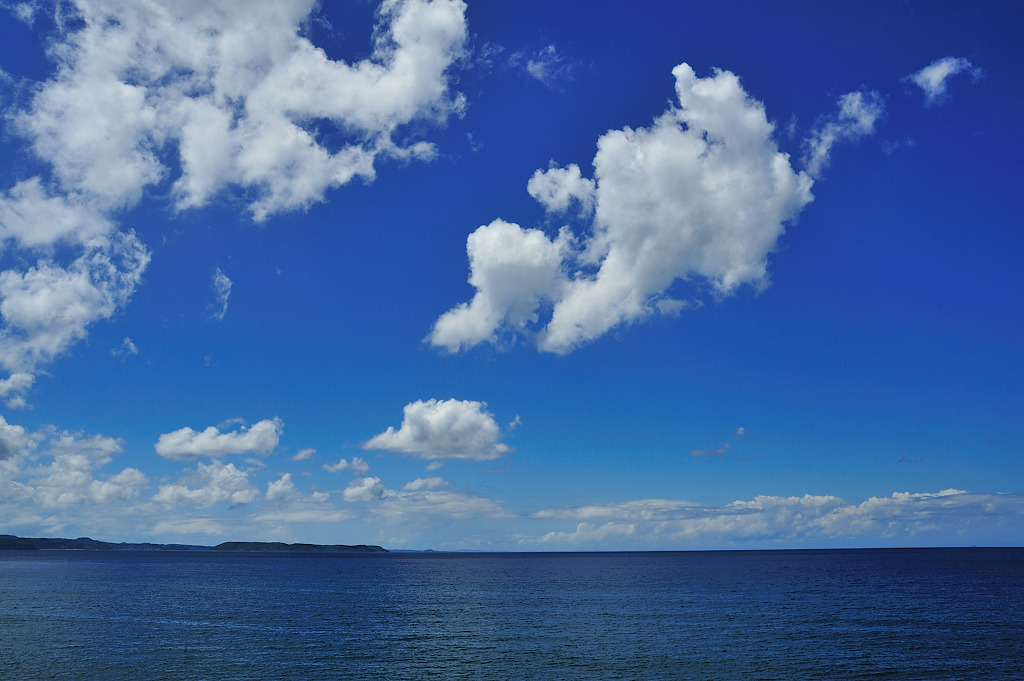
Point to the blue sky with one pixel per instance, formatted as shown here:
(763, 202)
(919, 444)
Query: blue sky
(512, 276)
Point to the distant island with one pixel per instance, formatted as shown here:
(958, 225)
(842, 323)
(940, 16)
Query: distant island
(303, 548)
(10, 542)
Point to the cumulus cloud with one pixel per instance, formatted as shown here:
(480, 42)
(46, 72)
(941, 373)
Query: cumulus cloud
(356, 465)
(588, 533)
(444, 429)
(240, 94)
(363, 489)
(15, 383)
(209, 484)
(14, 440)
(70, 479)
(701, 196)
(30, 218)
(47, 306)
(50, 295)
(221, 285)
(557, 188)
(185, 444)
(514, 270)
(282, 489)
(934, 78)
(902, 515)
(242, 99)
(53, 481)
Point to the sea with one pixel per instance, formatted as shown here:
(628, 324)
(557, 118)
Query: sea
(808, 614)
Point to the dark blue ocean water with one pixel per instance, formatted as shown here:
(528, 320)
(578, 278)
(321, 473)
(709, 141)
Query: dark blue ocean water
(857, 614)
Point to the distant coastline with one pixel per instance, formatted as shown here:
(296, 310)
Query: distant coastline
(10, 542)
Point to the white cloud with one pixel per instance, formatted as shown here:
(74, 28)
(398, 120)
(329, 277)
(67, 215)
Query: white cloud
(721, 451)
(190, 527)
(547, 65)
(514, 270)
(356, 465)
(420, 499)
(420, 484)
(772, 519)
(363, 489)
(26, 11)
(68, 481)
(209, 484)
(303, 516)
(408, 507)
(304, 454)
(629, 511)
(15, 383)
(50, 296)
(242, 95)
(282, 489)
(185, 444)
(244, 100)
(857, 115)
(126, 349)
(556, 188)
(32, 219)
(14, 440)
(47, 306)
(587, 533)
(221, 289)
(444, 429)
(702, 196)
(934, 78)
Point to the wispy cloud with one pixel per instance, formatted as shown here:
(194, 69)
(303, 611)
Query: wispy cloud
(856, 118)
(304, 454)
(547, 65)
(221, 285)
(721, 451)
(934, 78)
(127, 348)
